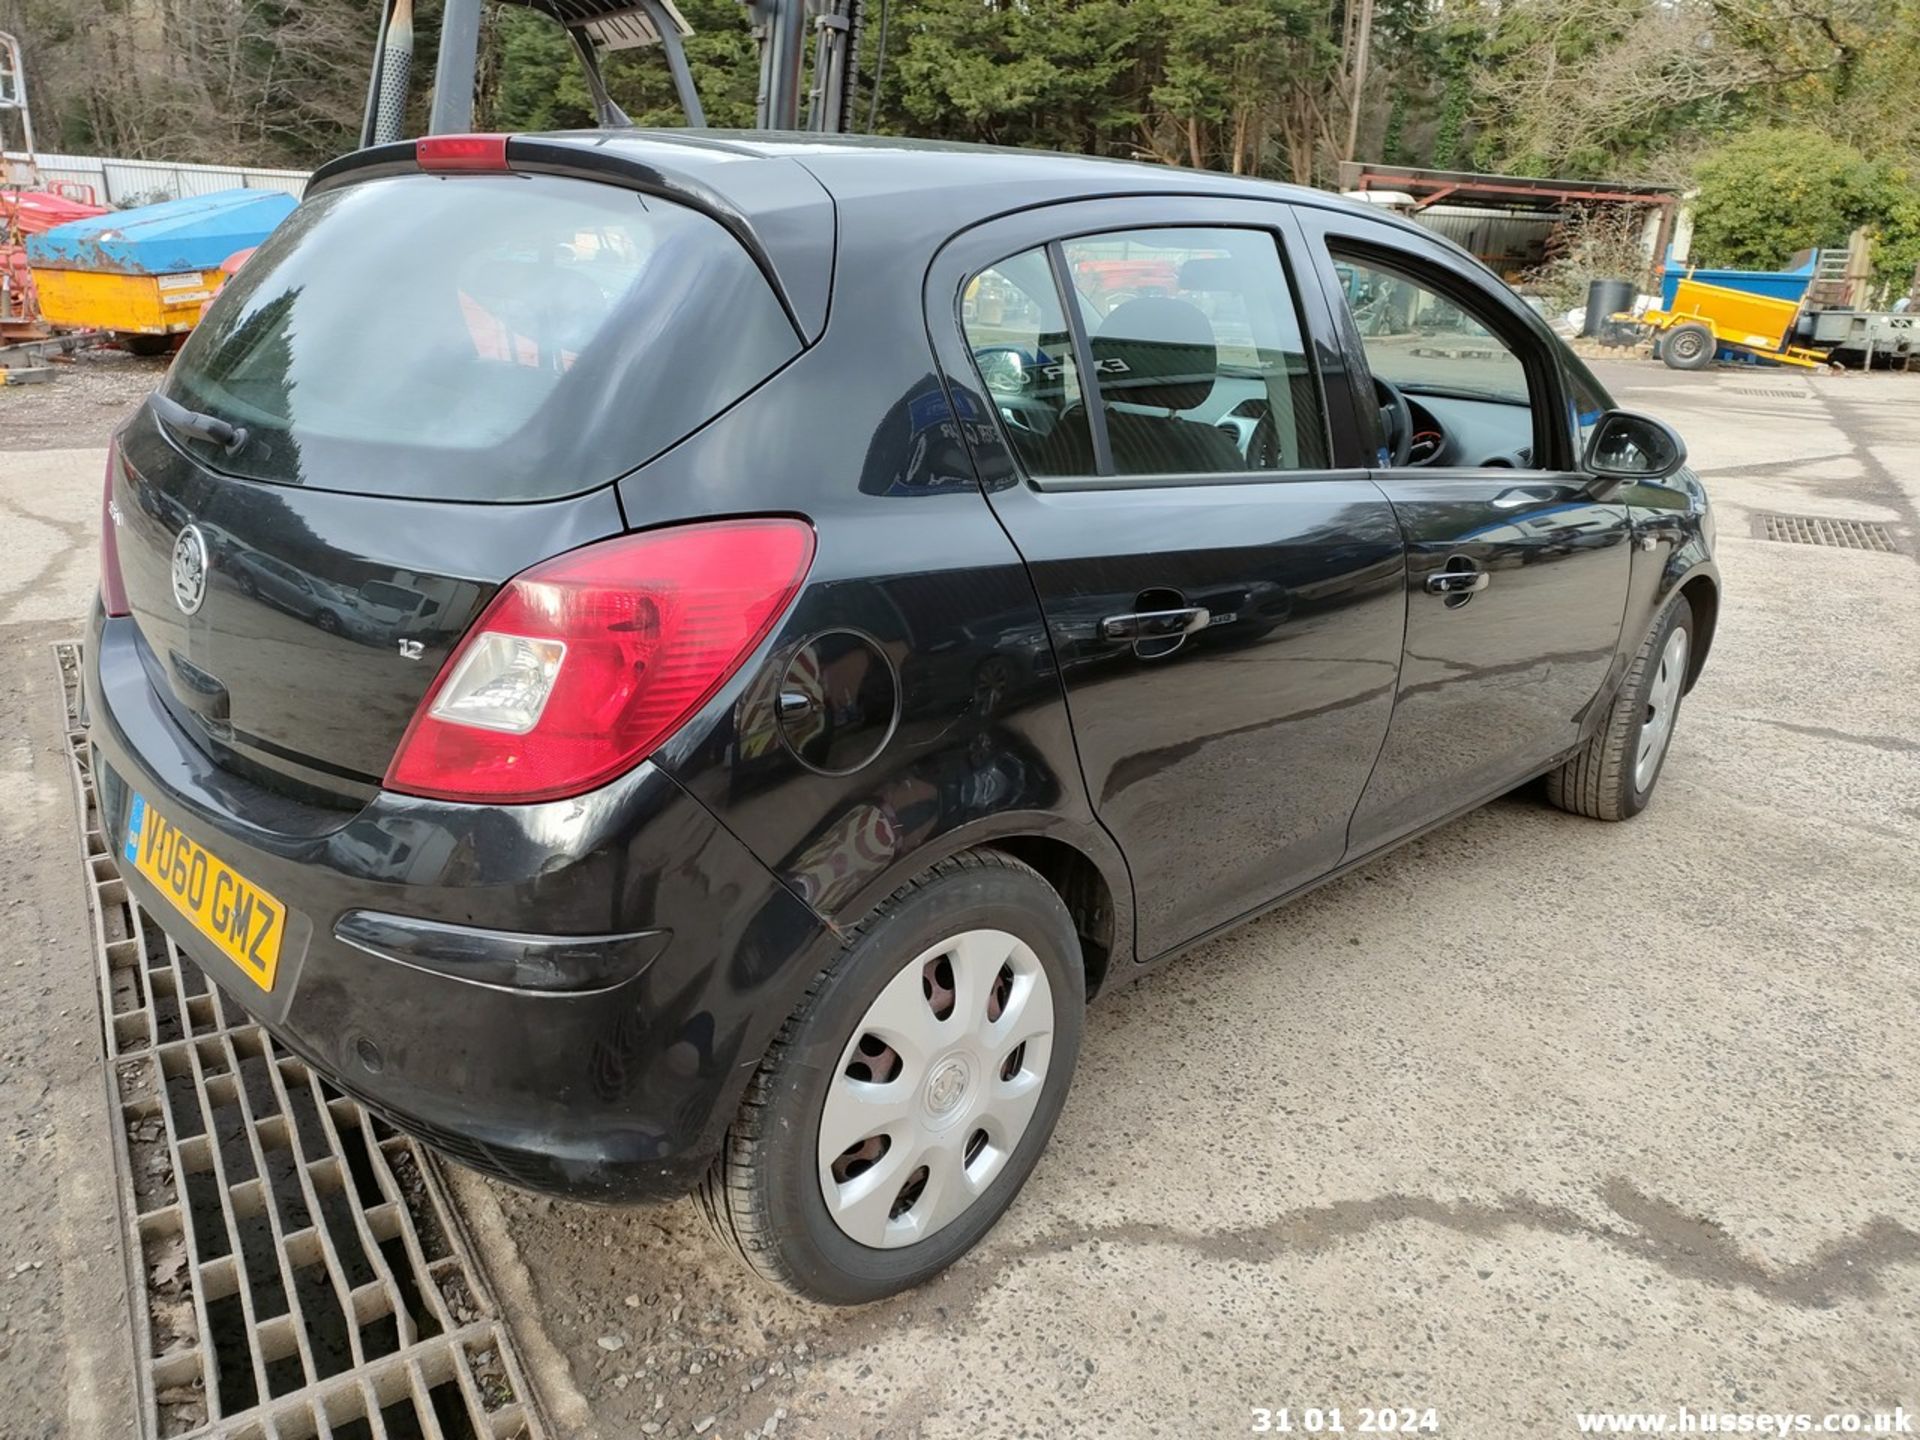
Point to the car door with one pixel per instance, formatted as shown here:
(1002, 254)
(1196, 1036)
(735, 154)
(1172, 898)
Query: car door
(1224, 601)
(1517, 562)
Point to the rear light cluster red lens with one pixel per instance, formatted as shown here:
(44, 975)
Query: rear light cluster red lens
(113, 589)
(584, 664)
(458, 153)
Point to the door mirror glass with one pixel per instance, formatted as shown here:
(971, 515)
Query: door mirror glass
(1626, 446)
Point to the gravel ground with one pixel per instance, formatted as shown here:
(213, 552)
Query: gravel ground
(66, 1363)
(80, 405)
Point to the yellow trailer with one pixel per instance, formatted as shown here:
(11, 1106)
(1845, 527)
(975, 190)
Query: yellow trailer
(1706, 319)
(147, 274)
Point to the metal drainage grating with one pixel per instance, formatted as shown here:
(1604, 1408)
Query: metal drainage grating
(1770, 392)
(299, 1273)
(1817, 530)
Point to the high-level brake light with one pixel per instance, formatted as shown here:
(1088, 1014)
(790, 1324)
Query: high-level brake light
(461, 153)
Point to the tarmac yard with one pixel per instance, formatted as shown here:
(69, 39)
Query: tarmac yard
(1535, 1118)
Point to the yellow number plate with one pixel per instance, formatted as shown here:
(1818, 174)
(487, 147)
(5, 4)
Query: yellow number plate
(230, 910)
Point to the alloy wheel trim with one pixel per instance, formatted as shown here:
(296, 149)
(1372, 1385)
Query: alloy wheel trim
(964, 1094)
(1663, 699)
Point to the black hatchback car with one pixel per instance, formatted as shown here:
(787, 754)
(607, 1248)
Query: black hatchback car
(670, 662)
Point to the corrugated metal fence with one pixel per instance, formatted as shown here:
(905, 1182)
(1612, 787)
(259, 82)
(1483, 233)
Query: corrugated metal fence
(143, 182)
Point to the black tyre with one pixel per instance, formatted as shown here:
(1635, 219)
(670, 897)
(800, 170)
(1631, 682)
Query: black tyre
(1613, 776)
(1688, 347)
(907, 1099)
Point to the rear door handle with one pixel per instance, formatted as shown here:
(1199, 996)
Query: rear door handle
(1457, 582)
(1155, 624)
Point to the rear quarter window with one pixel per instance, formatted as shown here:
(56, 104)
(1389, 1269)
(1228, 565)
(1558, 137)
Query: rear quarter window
(498, 338)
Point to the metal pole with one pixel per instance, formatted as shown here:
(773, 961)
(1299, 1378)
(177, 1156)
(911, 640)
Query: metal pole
(782, 53)
(386, 114)
(605, 110)
(832, 53)
(454, 72)
(676, 62)
(842, 120)
(822, 64)
(16, 67)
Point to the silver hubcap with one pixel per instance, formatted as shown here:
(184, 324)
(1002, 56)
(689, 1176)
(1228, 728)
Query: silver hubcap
(1663, 699)
(936, 1088)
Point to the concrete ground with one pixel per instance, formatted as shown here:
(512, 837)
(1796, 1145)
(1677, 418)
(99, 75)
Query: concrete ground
(1536, 1115)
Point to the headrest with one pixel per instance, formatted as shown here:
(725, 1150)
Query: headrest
(1212, 272)
(1155, 351)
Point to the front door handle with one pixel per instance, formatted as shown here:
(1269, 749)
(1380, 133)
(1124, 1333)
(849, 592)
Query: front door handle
(1523, 495)
(1457, 582)
(1155, 624)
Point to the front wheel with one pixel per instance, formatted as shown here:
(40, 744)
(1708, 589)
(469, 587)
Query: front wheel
(1613, 776)
(906, 1100)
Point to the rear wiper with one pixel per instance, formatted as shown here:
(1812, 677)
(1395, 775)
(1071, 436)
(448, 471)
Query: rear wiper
(200, 426)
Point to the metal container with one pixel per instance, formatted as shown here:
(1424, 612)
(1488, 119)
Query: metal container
(1604, 298)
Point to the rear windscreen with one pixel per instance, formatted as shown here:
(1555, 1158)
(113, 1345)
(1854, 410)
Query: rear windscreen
(490, 338)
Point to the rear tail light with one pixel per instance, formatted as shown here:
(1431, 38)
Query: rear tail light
(113, 589)
(583, 665)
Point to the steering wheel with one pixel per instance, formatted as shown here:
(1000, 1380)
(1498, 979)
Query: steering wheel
(1396, 420)
(1263, 445)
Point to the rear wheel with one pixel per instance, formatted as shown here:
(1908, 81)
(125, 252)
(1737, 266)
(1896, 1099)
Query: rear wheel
(1613, 776)
(907, 1099)
(146, 346)
(1688, 347)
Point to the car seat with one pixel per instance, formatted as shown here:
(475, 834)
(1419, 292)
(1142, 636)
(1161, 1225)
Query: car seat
(1156, 357)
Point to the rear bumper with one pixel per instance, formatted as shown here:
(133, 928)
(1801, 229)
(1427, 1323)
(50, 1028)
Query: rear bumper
(622, 1091)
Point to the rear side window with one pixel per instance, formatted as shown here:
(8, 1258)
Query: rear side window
(502, 338)
(1024, 348)
(1196, 345)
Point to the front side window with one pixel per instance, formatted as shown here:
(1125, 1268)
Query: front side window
(1451, 391)
(1199, 363)
(1587, 400)
(1421, 340)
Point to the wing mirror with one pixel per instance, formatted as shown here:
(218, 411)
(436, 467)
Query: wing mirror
(1628, 446)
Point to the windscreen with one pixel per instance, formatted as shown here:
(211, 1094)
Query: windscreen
(498, 338)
